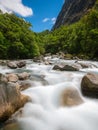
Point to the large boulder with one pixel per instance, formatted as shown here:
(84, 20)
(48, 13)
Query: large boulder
(72, 67)
(23, 76)
(12, 78)
(70, 97)
(10, 99)
(89, 85)
(21, 64)
(12, 65)
(57, 67)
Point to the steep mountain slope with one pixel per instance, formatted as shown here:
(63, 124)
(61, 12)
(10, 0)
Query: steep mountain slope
(72, 11)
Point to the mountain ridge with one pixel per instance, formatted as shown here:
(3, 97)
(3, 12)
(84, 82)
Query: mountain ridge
(72, 11)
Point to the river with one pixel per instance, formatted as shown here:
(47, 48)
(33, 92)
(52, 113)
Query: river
(45, 112)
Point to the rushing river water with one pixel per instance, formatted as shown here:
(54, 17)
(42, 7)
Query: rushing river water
(45, 112)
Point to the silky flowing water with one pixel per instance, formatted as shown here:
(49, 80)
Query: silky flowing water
(45, 112)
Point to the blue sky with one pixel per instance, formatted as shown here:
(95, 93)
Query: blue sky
(40, 13)
(44, 13)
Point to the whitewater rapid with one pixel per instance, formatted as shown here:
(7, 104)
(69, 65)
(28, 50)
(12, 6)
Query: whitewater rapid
(45, 112)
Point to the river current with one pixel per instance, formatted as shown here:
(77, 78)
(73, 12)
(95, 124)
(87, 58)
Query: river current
(45, 112)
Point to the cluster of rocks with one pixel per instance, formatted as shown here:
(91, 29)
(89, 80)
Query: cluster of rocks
(67, 67)
(73, 67)
(20, 79)
(60, 55)
(11, 85)
(16, 64)
(11, 98)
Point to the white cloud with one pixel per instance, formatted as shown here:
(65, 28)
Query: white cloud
(53, 20)
(16, 6)
(45, 20)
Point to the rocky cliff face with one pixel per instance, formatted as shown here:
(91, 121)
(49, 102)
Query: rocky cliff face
(72, 11)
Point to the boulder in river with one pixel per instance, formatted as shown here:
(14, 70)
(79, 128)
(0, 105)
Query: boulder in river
(12, 78)
(70, 97)
(23, 76)
(12, 65)
(57, 67)
(72, 67)
(89, 85)
(21, 64)
(10, 100)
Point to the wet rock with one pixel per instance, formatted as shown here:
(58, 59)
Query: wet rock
(18, 64)
(70, 97)
(68, 67)
(10, 100)
(21, 64)
(12, 126)
(89, 85)
(47, 62)
(12, 78)
(87, 65)
(24, 85)
(12, 65)
(39, 59)
(57, 67)
(72, 67)
(3, 62)
(3, 78)
(23, 76)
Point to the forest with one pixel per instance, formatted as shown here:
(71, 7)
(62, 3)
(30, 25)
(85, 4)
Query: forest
(18, 41)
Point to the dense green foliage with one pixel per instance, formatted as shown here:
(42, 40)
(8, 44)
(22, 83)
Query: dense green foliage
(17, 40)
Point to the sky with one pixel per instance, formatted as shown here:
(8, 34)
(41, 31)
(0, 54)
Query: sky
(41, 14)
